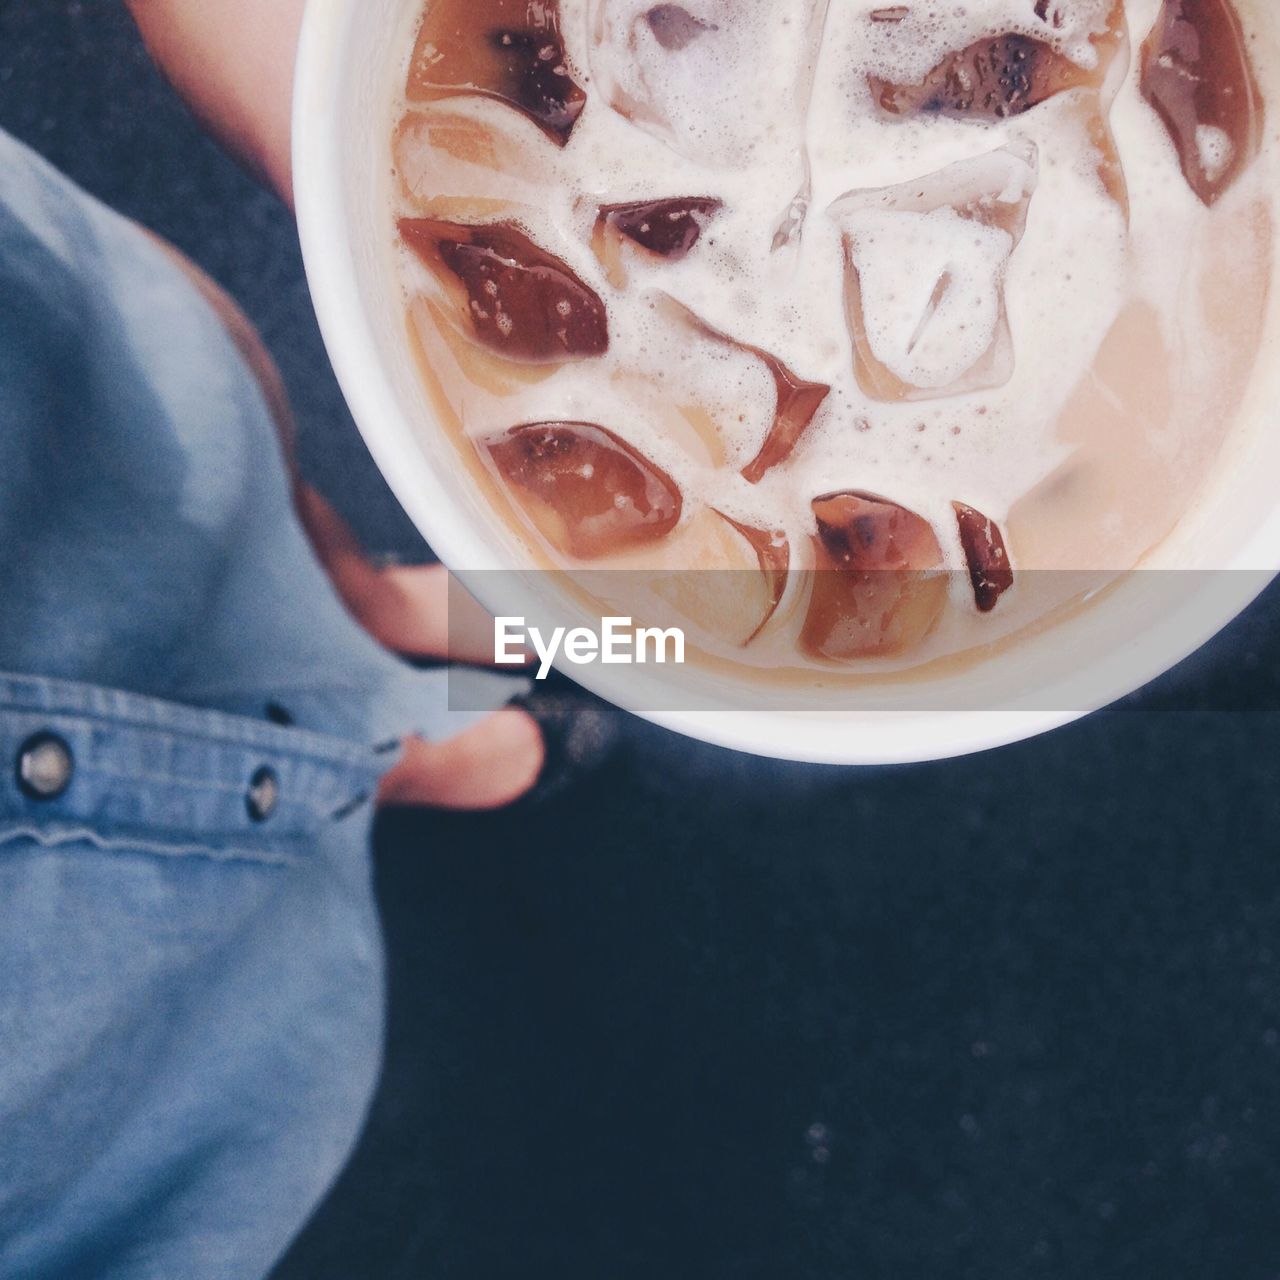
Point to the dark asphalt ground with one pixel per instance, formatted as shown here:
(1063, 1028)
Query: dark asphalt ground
(1012, 1016)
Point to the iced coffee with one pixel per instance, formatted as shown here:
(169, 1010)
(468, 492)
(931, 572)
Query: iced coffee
(883, 309)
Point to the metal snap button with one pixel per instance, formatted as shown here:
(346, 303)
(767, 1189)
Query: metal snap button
(263, 796)
(45, 767)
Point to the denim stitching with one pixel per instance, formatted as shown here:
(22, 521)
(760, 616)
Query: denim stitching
(59, 837)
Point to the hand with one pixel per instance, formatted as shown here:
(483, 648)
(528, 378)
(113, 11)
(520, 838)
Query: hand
(404, 609)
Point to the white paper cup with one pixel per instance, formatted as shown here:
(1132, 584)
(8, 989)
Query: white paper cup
(350, 56)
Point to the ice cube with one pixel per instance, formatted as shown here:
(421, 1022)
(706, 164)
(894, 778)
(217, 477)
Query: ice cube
(517, 299)
(773, 554)
(1071, 49)
(723, 578)
(587, 491)
(719, 81)
(925, 274)
(877, 589)
(1003, 75)
(446, 153)
(460, 366)
(990, 572)
(798, 405)
(510, 50)
(1196, 74)
(991, 80)
(667, 229)
(789, 230)
(797, 400)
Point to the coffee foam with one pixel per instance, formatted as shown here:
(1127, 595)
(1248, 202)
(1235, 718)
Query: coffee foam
(972, 258)
(684, 81)
(1080, 263)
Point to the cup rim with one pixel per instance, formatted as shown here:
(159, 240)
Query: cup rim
(857, 737)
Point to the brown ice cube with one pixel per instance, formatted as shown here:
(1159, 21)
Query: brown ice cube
(798, 400)
(993, 79)
(1004, 75)
(990, 572)
(447, 155)
(519, 300)
(798, 405)
(773, 554)
(1196, 74)
(943, 328)
(589, 493)
(510, 50)
(877, 589)
(667, 229)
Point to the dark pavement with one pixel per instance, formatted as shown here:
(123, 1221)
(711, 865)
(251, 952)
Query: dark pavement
(1011, 1016)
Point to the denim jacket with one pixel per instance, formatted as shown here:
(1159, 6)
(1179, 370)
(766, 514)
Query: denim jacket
(190, 971)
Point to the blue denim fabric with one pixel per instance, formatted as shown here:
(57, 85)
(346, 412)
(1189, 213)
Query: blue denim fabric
(190, 1000)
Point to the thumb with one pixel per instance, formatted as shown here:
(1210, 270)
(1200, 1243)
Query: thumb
(490, 765)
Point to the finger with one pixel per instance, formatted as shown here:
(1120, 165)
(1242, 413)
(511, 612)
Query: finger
(490, 765)
(417, 611)
(404, 608)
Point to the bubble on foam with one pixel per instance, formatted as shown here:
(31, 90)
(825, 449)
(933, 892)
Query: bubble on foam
(1215, 150)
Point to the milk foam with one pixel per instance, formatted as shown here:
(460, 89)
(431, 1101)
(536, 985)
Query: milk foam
(934, 352)
(766, 114)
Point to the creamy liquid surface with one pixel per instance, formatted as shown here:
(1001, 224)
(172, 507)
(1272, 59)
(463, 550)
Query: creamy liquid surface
(1035, 316)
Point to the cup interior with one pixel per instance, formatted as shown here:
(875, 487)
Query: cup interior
(351, 56)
